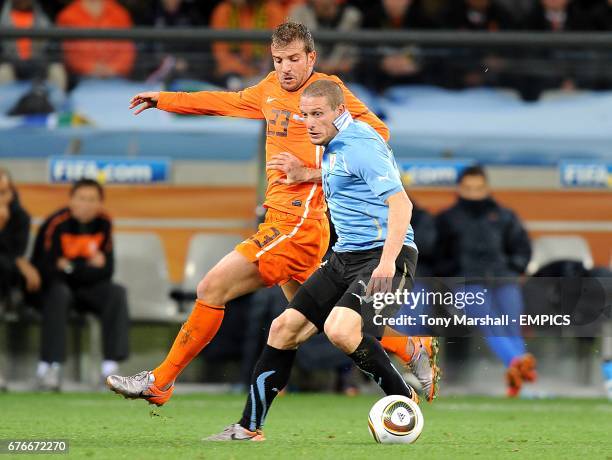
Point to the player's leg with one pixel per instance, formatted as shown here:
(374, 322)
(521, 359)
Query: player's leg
(232, 277)
(56, 301)
(508, 300)
(420, 354)
(303, 318)
(290, 288)
(270, 375)
(343, 327)
(108, 301)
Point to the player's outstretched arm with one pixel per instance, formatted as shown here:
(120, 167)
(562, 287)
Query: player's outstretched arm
(400, 213)
(144, 101)
(293, 168)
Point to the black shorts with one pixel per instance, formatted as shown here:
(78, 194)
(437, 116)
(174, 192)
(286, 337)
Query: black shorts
(342, 280)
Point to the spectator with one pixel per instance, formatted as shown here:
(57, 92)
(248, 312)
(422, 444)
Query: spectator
(53, 7)
(25, 59)
(467, 68)
(486, 243)
(387, 65)
(330, 15)
(557, 16)
(16, 272)
(238, 64)
(424, 226)
(175, 13)
(97, 58)
(600, 16)
(74, 254)
(173, 60)
(479, 15)
(557, 69)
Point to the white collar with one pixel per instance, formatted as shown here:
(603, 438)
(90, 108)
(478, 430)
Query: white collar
(343, 121)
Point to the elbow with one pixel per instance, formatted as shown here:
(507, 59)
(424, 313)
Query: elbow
(408, 203)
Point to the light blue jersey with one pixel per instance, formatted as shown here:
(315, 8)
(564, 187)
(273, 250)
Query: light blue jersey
(359, 173)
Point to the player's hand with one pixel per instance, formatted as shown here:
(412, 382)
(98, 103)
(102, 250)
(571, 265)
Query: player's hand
(29, 273)
(144, 101)
(97, 260)
(62, 264)
(382, 278)
(293, 168)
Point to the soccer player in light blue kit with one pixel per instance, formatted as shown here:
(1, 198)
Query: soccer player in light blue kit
(375, 252)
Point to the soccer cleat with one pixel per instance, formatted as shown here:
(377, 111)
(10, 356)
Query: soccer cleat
(236, 432)
(514, 378)
(527, 366)
(424, 365)
(140, 386)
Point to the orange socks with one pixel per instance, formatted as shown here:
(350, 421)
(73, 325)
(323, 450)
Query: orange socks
(399, 346)
(197, 332)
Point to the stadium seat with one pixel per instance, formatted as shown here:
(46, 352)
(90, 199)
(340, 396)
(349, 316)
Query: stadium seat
(140, 266)
(552, 248)
(205, 250)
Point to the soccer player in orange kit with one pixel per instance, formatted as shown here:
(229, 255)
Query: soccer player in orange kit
(289, 245)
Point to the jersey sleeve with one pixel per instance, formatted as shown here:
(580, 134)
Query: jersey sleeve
(242, 104)
(359, 111)
(373, 162)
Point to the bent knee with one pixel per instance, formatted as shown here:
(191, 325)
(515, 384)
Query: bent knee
(283, 333)
(212, 289)
(345, 340)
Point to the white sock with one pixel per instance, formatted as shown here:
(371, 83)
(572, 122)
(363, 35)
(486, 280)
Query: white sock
(43, 367)
(109, 367)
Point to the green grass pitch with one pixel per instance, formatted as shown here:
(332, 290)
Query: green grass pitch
(307, 426)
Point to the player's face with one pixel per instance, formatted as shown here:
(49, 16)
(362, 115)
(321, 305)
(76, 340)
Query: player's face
(473, 188)
(6, 192)
(85, 204)
(319, 118)
(293, 65)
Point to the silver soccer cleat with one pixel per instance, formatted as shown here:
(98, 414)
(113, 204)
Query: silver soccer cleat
(425, 368)
(235, 432)
(140, 386)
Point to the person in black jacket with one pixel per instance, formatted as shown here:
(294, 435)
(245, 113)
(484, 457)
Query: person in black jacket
(17, 275)
(74, 254)
(486, 244)
(16, 272)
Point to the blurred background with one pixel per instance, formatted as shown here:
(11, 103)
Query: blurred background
(521, 87)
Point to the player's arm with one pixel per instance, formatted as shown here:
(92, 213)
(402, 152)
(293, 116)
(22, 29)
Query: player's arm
(243, 104)
(382, 177)
(400, 213)
(359, 111)
(293, 168)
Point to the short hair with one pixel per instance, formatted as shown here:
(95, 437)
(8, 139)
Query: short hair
(328, 89)
(475, 170)
(288, 32)
(82, 183)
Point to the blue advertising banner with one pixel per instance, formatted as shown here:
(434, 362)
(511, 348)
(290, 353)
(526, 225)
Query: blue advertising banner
(109, 170)
(419, 173)
(587, 174)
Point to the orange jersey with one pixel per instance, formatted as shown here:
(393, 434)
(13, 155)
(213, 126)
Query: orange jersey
(285, 132)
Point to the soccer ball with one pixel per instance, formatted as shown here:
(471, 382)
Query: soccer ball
(395, 419)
